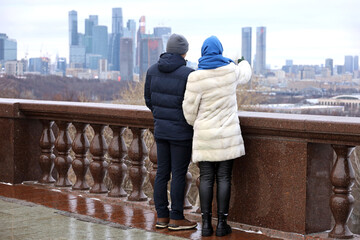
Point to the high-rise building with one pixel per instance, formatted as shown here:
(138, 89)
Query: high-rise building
(114, 44)
(130, 32)
(8, 48)
(39, 65)
(159, 31)
(126, 59)
(77, 56)
(356, 63)
(246, 40)
(163, 33)
(61, 65)
(73, 28)
(117, 21)
(140, 33)
(329, 63)
(260, 57)
(349, 64)
(289, 62)
(89, 25)
(100, 40)
(92, 61)
(76, 48)
(151, 48)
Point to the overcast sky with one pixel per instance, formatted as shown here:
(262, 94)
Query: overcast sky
(307, 31)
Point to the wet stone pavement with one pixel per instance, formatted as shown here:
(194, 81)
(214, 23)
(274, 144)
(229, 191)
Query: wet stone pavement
(44, 212)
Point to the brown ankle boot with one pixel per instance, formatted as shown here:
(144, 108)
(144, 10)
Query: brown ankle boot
(182, 224)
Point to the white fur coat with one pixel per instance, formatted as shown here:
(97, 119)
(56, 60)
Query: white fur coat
(210, 106)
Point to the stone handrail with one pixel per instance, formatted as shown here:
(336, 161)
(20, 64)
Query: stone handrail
(294, 164)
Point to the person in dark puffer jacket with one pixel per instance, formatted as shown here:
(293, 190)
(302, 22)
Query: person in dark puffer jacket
(164, 93)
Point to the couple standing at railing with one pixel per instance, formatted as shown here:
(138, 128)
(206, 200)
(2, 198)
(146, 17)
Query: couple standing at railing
(195, 114)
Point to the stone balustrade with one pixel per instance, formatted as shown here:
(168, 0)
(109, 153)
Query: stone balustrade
(295, 176)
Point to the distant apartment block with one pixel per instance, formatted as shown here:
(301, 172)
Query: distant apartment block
(14, 68)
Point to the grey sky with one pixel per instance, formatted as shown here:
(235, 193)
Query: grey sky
(307, 31)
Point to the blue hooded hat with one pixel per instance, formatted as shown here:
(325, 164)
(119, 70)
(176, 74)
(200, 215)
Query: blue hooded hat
(211, 54)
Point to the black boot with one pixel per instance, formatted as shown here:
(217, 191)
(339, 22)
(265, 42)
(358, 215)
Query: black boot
(222, 228)
(207, 229)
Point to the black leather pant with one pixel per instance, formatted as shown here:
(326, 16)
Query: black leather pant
(221, 171)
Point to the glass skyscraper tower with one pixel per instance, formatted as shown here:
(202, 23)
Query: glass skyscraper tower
(73, 28)
(117, 33)
(246, 39)
(260, 57)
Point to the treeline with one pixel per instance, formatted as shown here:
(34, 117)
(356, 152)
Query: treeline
(61, 88)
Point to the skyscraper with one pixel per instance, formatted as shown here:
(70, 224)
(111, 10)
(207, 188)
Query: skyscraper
(77, 50)
(114, 44)
(246, 43)
(89, 25)
(140, 33)
(8, 48)
(100, 40)
(349, 64)
(260, 57)
(163, 33)
(151, 48)
(159, 31)
(73, 28)
(329, 63)
(117, 21)
(40, 65)
(130, 32)
(356, 63)
(126, 59)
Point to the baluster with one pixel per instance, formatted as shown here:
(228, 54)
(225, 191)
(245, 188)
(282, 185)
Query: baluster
(63, 160)
(117, 169)
(341, 202)
(98, 166)
(187, 204)
(153, 159)
(137, 154)
(47, 157)
(80, 164)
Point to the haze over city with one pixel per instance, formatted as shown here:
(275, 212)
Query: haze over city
(305, 31)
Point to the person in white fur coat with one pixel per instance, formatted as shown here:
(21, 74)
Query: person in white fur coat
(210, 106)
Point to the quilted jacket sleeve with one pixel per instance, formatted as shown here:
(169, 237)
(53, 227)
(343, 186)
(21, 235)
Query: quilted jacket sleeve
(191, 101)
(147, 92)
(243, 72)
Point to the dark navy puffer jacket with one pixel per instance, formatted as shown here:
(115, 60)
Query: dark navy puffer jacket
(164, 93)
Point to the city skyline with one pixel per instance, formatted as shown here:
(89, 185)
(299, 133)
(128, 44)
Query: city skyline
(320, 30)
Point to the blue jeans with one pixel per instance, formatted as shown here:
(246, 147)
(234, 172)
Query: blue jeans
(173, 157)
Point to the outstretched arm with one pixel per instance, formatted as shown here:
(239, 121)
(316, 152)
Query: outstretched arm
(243, 72)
